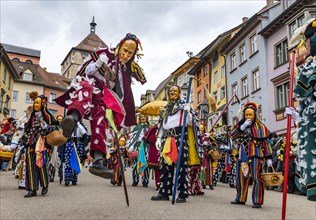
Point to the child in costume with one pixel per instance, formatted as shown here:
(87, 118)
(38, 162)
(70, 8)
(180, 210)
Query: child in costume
(101, 90)
(153, 154)
(116, 162)
(136, 143)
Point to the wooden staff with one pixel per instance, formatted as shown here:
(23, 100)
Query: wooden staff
(288, 136)
(181, 145)
(121, 165)
(226, 106)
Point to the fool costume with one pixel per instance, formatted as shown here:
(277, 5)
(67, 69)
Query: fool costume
(103, 83)
(36, 128)
(253, 149)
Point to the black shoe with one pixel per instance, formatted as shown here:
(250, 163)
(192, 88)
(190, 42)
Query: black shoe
(100, 170)
(235, 202)
(211, 187)
(21, 187)
(30, 194)
(67, 183)
(256, 206)
(204, 187)
(74, 183)
(16, 176)
(68, 126)
(145, 185)
(159, 197)
(134, 184)
(180, 200)
(44, 191)
(232, 186)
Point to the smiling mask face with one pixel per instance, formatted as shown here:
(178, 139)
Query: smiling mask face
(127, 50)
(174, 93)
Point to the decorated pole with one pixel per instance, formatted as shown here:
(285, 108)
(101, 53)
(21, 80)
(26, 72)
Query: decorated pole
(288, 136)
(181, 145)
(226, 106)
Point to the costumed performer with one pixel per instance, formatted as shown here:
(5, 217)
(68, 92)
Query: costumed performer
(103, 84)
(253, 152)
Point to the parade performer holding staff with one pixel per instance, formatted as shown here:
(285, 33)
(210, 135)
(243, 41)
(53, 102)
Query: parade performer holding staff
(305, 89)
(253, 152)
(103, 87)
(168, 142)
(36, 128)
(136, 143)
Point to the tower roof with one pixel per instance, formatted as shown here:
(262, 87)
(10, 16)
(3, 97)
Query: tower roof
(91, 43)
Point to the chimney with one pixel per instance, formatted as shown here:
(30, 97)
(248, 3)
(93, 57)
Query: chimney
(270, 2)
(244, 19)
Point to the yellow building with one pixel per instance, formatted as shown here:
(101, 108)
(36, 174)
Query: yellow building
(7, 77)
(212, 70)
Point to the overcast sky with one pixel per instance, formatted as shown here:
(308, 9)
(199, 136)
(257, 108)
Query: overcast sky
(167, 29)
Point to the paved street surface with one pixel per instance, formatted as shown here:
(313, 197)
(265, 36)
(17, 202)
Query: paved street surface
(96, 198)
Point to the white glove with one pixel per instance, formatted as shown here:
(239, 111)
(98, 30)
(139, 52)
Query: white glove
(102, 59)
(269, 162)
(246, 124)
(158, 144)
(291, 111)
(186, 107)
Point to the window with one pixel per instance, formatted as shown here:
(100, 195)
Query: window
(198, 79)
(242, 50)
(280, 52)
(27, 98)
(244, 87)
(256, 80)
(27, 76)
(185, 78)
(9, 82)
(215, 96)
(300, 21)
(296, 24)
(282, 92)
(223, 92)
(1, 98)
(7, 102)
(15, 95)
(180, 83)
(12, 113)
(233, 61)
(205, 69)
(29, 61)
(253, 43)
(4, 77)
(223, 71)
(215, 77)
(234, 91)
(16, 59)
(312, 14)
(199, 96)
(214, 59)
